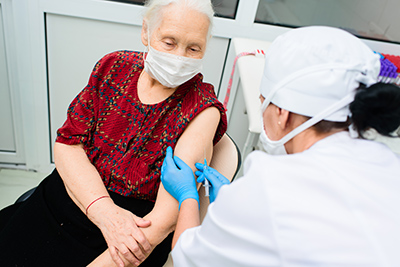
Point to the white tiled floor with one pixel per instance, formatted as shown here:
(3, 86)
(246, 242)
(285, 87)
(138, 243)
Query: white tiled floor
(14, 183)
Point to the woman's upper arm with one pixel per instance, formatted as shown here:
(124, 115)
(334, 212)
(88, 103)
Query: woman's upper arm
(198, 136)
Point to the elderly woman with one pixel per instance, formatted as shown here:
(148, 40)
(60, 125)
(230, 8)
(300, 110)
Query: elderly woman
(109, 152)
(334, 200)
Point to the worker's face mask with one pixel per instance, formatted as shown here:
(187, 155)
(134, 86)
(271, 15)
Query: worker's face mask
(277, 147)
(271, 147)
(170, 70)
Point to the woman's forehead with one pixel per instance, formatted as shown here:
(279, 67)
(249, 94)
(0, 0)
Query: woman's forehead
(183, 22)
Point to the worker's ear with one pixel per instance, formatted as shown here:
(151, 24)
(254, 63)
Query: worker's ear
(145, 33)
(283, 118)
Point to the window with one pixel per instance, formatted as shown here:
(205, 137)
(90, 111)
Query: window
(223, 8)
(366, 18)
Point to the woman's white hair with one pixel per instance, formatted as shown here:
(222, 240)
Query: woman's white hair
(154, 9)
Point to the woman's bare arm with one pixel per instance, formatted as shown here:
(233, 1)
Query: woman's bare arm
(81, 179)
(196, 139)
(84, 185)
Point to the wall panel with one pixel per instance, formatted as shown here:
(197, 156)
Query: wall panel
(75, 44)
(7, 140)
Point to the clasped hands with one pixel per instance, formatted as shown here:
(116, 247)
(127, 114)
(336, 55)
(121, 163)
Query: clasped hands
(121, 230)
(178, 178)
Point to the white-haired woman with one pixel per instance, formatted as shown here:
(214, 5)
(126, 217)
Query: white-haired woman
(334, 200)
(109, 152)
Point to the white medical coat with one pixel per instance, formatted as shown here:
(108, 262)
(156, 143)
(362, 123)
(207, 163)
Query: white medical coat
(336, 204)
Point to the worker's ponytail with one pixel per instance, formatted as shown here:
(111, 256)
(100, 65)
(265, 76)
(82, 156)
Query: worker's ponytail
(377, 107)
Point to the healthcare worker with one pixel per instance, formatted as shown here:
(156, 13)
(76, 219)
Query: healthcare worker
(334, 200)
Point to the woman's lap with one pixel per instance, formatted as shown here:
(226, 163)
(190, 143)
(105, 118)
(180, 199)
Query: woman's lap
(48, 229)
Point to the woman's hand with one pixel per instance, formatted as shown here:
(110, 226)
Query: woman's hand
(120, 229)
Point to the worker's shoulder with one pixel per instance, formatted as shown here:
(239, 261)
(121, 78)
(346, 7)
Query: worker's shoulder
(263, 159)
(279, 170)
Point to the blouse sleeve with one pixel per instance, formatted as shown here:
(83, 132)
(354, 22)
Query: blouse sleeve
(82, 115)
(205, 98)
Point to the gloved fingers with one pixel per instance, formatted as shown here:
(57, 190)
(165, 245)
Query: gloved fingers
(169, 156)
(215, 178)
(199, 166)
(207, 174)
(180, 163)
(211, 174)
(201, 177)
(168, 161)
(222, 179)
(219, 176)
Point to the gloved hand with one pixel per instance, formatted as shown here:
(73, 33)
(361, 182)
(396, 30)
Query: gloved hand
(216, 179)
(178, 179)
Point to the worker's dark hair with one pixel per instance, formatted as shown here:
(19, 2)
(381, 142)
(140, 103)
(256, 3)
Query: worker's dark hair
(327, 126)
(377, 107)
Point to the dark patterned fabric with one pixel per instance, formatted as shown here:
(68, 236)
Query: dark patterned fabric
(48, 230)
(125, 139)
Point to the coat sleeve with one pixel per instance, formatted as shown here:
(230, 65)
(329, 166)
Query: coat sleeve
(237, 230)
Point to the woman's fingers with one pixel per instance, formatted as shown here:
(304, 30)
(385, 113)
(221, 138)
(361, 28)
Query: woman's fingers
(141, 240)
(126, 241)
(114, 255)
(132, 252)
(141, 222)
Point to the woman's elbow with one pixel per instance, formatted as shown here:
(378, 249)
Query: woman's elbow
(60, 150)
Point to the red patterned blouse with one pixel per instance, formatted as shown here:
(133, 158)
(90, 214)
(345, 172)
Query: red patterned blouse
(125, 139)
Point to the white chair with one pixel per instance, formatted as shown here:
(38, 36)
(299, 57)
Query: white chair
(226, 160)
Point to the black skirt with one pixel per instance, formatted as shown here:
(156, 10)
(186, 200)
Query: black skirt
(48, 229)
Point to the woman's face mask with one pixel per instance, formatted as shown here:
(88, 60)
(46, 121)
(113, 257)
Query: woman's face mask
(170, 70)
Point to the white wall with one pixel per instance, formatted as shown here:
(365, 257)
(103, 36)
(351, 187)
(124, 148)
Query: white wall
(75, 44)
(7, 141)
(11, 132)
(375, 18)
(42, 55)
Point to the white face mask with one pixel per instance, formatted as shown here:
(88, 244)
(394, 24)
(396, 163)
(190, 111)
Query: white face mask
(277, 147)
(271, 147)
(171, 70)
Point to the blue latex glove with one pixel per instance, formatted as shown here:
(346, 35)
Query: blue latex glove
(178, 179)
(216, 179)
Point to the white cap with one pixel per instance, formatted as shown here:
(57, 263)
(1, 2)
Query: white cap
(309, 69)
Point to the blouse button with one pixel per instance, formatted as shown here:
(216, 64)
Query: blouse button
(124, 145)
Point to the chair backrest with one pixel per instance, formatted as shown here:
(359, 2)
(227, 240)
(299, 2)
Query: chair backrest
(226, 160)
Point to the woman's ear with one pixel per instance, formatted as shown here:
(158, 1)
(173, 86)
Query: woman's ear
(145, 33)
